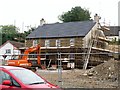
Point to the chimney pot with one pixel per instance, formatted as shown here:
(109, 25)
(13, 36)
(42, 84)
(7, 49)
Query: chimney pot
(97, 18)
(42, 22)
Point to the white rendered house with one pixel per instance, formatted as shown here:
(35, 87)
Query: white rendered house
(10, 48)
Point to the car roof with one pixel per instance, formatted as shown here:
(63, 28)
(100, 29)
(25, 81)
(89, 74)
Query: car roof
(11, 67)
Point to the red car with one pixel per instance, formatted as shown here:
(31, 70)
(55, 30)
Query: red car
(17, 77)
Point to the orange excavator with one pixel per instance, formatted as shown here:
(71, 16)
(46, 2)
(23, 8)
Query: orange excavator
(23, 61)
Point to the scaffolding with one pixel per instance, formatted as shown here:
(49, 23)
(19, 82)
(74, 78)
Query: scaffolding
(98, 35)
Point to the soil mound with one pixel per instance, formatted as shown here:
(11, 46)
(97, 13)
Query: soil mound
(106, 71)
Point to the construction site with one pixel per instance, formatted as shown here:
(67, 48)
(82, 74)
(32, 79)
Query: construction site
(79, 59)
(79, 45)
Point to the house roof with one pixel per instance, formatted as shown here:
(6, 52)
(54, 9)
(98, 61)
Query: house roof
(114, 31)
(17, 44)
(68, 29)
(14, 43)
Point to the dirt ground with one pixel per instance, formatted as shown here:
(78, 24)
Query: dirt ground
(104, 75)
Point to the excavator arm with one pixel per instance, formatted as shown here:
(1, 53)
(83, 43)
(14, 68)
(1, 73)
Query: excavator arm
(30, 50)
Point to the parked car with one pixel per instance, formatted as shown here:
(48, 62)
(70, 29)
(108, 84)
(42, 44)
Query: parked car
(18, 77)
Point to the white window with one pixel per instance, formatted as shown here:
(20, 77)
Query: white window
(58, 43)
(8, 51)
(72, 42)
(35, 42)
(47, 43)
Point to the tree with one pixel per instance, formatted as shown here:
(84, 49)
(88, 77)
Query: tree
(9, 29)
(76, 14)
(29, 31)
(8, 32)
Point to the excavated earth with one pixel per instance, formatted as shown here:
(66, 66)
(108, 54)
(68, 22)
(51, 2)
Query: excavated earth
(104, 75)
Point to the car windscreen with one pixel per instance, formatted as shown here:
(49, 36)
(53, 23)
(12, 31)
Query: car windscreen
(27, 76)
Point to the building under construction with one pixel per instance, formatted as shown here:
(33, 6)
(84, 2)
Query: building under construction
(80, 44)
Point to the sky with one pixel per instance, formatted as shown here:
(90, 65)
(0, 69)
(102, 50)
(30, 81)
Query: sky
(28, 13)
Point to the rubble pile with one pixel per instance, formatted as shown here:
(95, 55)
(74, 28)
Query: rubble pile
(105, 71)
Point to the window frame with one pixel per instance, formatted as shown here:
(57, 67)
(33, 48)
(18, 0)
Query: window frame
(8, 51)
(35, 42)
(58, 43)
(72, 42)
(47, 43)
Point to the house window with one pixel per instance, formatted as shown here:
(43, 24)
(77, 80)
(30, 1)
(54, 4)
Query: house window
(58, 43)
(8, 51)
(72, 42)
(47, 43)
(35, 42)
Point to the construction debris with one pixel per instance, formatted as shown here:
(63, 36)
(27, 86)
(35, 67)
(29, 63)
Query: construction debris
(104, 75)
(105, 71)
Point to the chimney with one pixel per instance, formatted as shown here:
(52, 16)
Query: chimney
(97, 18)
(42, 22)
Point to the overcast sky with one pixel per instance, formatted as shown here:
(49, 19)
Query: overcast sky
(24, 13)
